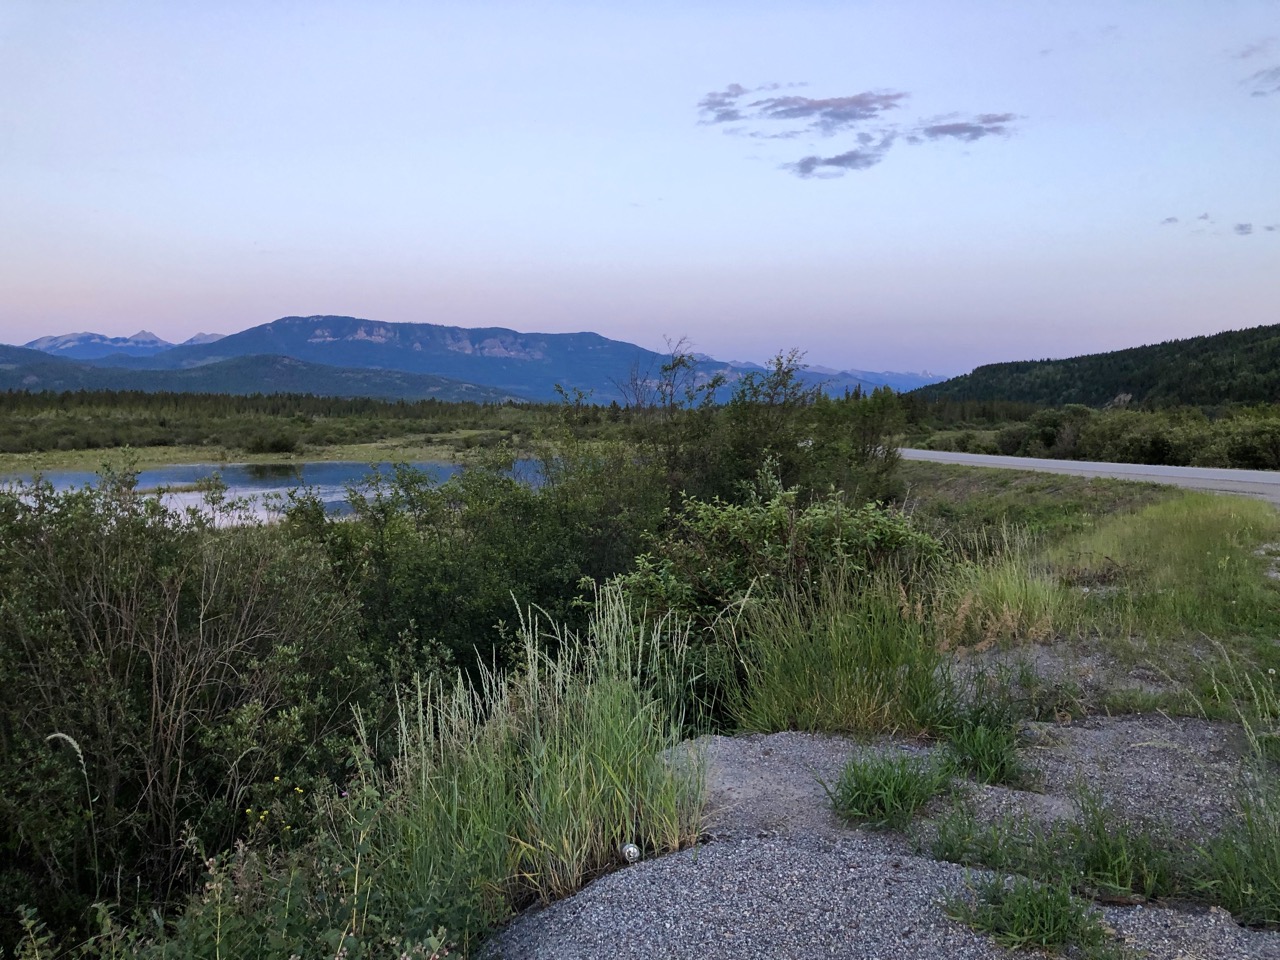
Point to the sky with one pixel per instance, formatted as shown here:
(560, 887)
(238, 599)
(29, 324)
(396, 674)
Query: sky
(889, 185)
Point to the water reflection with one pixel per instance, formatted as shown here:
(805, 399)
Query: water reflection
(263, 487)
(285, 472)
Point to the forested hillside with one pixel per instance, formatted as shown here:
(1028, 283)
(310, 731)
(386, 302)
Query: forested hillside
(1239, 366)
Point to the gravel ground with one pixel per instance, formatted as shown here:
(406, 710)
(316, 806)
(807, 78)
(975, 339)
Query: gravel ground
(782, 877)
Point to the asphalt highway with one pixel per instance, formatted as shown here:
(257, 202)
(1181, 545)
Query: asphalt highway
(1264, 484)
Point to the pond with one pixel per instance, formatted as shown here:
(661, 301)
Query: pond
(258, 483)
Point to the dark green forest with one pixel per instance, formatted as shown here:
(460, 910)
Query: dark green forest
(1239, 366)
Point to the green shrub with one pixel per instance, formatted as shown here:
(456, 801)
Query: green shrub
(159, 672)
(517, 791)
(716, 554)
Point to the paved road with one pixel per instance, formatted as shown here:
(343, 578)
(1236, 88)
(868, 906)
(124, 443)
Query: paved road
(1255, 483)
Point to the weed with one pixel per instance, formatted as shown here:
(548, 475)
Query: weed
(1026, 914)
(989, 754)
(1112, 857)
(886, 790)
(1008, 845)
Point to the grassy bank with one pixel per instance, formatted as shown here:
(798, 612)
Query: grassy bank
(436, 448)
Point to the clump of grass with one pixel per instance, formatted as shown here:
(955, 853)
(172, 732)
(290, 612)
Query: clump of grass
(1240, 868)
(1014, 845)
(1111, 856)
(838, 659)
(1002, 601)
(1100, 853)
(989, 754)
(886, 790)
(983, 740)
(1025, 914)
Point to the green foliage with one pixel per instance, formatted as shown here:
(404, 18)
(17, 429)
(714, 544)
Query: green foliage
(276, 423)
(436, 566)
(515, 791)
(156, 678)
(1185, 566)
(1103, 855)
(886, 790)
(715, 554)
(1023, 914)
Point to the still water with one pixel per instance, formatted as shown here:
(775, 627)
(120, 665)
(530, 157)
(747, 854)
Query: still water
(260, 485)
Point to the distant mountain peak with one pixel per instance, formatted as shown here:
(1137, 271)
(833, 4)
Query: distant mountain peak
(202, 338)
(93, 346)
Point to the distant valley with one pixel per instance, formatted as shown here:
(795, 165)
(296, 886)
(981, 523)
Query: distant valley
(347, 356)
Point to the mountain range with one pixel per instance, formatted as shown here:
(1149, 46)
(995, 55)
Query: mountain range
(374, 359)
(94, 346)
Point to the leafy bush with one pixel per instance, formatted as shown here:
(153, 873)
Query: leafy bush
(715, 555)
(515, 791)
(159, 672)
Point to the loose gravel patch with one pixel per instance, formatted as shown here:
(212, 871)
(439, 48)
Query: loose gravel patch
(781, 876)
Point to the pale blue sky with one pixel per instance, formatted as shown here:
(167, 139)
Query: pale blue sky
(189, 167)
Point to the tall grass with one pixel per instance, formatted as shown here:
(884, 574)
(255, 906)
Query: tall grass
(1179, 568)
(525, 787)
(517, 790)
(1183, 567)
(838, 658)
(999, 591)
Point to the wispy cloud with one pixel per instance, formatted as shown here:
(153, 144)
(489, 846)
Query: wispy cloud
(1255, 49)
(860, 158)
(1264, 82)
(741, 111)
(983, 125)
(1205, 224)
(831, 114)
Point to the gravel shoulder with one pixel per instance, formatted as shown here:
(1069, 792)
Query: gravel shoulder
(780, 876)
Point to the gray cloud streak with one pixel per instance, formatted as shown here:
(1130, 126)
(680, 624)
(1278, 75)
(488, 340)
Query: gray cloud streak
(983, 125)
(831, 114)
(863, 158)
(827, 116)
(1265, 82)
(1243, 229)
(1254, 49)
